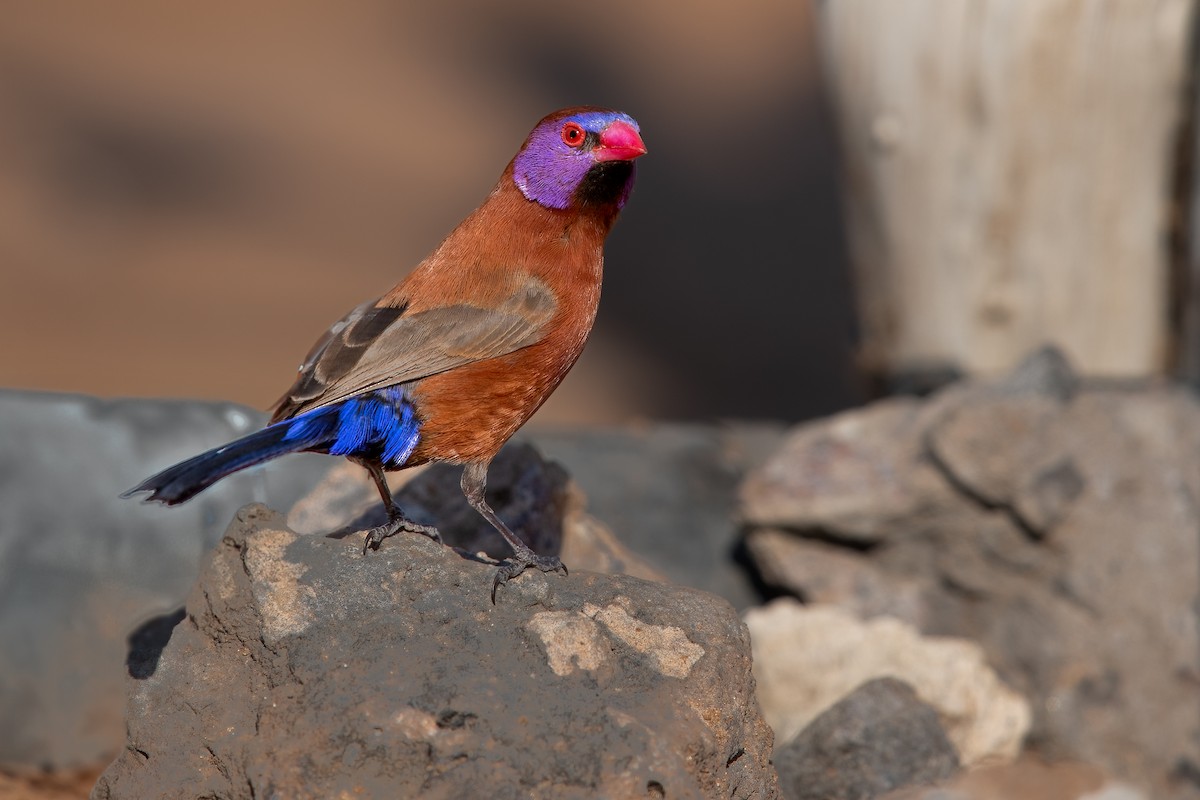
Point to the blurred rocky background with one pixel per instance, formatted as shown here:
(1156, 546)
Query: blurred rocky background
(182, 182)
(889, 397)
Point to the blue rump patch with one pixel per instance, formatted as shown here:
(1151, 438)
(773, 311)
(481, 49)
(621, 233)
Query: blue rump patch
(379, 425)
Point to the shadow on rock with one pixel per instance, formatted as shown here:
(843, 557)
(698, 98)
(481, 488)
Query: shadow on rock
(147, 641)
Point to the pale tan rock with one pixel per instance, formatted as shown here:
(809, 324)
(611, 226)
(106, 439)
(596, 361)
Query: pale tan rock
(572, 641)
(806, 658)
(285, 603)
(667, 648)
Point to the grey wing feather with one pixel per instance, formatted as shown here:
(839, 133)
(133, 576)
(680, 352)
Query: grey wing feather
(373, 347)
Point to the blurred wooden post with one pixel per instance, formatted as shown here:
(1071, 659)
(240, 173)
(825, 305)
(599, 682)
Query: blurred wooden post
(1009, 177)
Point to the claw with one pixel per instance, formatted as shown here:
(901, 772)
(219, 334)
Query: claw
(513, 567)
(394, 525)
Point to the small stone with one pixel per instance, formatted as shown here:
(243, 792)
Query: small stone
(878, 738)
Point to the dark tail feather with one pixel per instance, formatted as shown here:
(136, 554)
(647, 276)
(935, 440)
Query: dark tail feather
(188, 478)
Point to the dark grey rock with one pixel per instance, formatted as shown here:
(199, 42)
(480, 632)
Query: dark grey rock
(80, 568)
(1012, 452)
(1059, 527)
(855, 476)
(303, 668)
(878, 738)
(527, 491)
(824, 573)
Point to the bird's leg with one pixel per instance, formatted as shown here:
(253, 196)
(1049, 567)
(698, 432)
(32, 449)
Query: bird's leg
(474, 482)
(396, 520)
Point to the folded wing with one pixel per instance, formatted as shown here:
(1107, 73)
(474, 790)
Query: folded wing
(374, 346)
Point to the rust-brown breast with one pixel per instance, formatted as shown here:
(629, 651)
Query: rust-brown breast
(468, 413)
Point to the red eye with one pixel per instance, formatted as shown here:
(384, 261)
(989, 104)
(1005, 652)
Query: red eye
(573, 134)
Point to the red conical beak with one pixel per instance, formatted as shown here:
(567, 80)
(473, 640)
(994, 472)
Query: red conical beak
(620, 141)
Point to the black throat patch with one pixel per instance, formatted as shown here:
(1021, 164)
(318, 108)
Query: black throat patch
(605, 184)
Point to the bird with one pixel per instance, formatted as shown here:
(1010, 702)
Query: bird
(447, 365)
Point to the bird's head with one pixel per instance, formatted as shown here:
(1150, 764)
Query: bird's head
(579, 157)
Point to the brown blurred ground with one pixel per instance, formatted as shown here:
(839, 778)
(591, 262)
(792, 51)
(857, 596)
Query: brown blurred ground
(189, 195)
(49, 786)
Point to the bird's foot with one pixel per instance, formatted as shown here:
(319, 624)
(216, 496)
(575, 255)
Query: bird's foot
(395, 524)
(512, 567)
